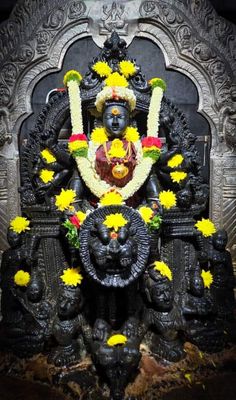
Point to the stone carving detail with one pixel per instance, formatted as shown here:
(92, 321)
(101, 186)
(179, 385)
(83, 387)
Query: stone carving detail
(113, 19)
(76, 9)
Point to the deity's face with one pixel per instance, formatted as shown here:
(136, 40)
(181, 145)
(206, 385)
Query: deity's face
(35, 291)
(162, 296)
(68, 304)
(115, 120)
(220, 240)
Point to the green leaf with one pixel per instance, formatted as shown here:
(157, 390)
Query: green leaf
(155, 223)
(154, 154)
(83, 152)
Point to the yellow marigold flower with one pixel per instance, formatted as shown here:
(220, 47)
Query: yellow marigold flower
(48, 156)
(117, 149)
(167, 199)
(163, 268)
(46, 175)
(72, 75)
(115, 221)
(175, 161)
(127, 68)
(207, 278)
(131, 134)
(21, 278)
(64, 199)
(117, 339)
(177, 176)
(71, 277)
(111, 198)
(115, 79)
(188, 377)
(146, 213)
(99, 135)
(81, 216)
(19, 224)
(77, 144)
(102, 68)
(206, 227)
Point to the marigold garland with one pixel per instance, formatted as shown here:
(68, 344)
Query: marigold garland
(46, 175)
(115, 79)
(207, 278)
(19, 224)
(71, 277)
(115, 221)
(22, 278)
(117, 149)
(163, 268)
(111, 198)
(102, 68)
(178, 176)
(118, 93)
(146, 213)
(127, 68)
(175, 161)
(99, 136)
(206, 227)
(167, 199)
(48, 156)
(65, 199)
(116, 340)
(131, 134)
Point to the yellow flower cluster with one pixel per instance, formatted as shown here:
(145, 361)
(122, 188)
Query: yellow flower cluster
(64, 199)
(72, 75)
(175, 161)
(71, 277)
(102, 68)
(207, 278)
(206, 227)
(19, 224)
(115, 221)
(167, 199)
(48, 156)
(22, 278)
(46, 175)
(111, 198)
(146, 213)
(131, 134)
(178, 176)
(76, 145)
(117, 149)
(115, 79)
(127, 68)
(163, 268)
(99, 135)
(116, 340)
(81, 216)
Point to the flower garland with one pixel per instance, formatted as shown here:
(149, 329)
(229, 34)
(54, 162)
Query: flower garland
(72, 80)
(78, 145)
(116, 93)
(158, 88)
(73, 224)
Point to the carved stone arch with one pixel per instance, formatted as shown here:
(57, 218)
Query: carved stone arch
(193, 38)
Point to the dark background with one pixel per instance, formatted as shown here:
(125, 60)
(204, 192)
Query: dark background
(225, 8)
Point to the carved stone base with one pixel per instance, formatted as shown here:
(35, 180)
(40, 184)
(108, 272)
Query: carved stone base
(199, 375)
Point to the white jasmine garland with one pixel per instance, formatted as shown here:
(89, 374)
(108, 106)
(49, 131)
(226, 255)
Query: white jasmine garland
(154, 112)
(75, 106)
(108, 93)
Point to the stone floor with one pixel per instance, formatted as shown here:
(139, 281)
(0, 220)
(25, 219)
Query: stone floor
(199, 376)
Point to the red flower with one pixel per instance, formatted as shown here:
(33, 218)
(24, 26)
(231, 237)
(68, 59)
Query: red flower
(78, 136)
(150, 141)
(75, 221)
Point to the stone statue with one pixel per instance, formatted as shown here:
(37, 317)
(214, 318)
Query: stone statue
(113, 248)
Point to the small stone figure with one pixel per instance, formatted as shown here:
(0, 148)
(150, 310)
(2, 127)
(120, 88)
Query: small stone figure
(67, 326)
(164, 316)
